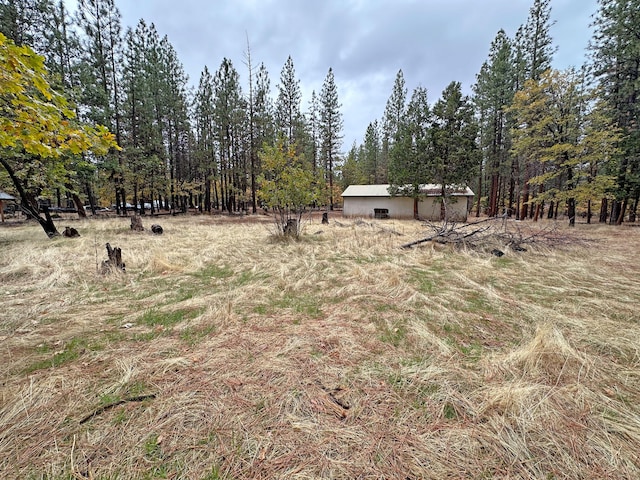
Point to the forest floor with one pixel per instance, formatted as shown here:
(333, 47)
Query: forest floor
(223, 353)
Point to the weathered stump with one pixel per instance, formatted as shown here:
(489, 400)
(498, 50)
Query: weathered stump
(157, 229)
(114, 263)
(70, 232)
(291, 227)
(325, 218)
(136, 223)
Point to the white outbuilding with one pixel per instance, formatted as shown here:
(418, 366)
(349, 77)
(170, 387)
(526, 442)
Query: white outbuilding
(375, 201)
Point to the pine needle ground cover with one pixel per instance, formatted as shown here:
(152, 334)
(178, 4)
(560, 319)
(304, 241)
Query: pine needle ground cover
(222, 353)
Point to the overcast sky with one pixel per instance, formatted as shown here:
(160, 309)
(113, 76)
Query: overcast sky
(366, 42)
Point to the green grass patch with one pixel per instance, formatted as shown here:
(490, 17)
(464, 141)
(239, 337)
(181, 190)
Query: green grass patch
(302, 304)
(194, 335)
(426, 281)
(394, 334)
(213, 271)
(70, 352)
(154, 317)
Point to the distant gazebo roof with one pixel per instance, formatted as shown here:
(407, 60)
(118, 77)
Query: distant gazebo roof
(6, 196)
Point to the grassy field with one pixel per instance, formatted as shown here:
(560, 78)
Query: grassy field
(225, 354)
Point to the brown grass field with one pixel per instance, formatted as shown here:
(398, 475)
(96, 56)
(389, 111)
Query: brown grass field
(225, 354)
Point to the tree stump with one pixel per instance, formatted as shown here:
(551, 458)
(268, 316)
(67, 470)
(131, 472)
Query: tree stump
(325, 218)
(136, 223)
(70, 232)
(114, 263)
(291, 227)
(157, 229)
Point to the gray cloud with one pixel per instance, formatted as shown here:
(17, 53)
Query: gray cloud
(365, 41)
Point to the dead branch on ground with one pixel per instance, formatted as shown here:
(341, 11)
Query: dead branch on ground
(493, 232)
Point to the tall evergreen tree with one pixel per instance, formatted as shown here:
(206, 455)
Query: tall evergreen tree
(100, 21)
(616, 66)
(142, 121)
(228, 102)
(556, 128)
(534, 56)
(204, 124)
(453, 159)
(371, 161)
(493, 93)
(538, 44)
(395, 108)
(314, 130)
(288, 103)
(412, 150)
(26, 22)
(330, 128)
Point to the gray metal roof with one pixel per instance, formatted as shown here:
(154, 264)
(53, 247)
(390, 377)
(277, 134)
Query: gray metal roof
(428, 189)
(6, 196)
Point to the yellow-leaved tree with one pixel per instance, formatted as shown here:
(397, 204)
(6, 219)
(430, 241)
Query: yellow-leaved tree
(38, 130)
(287, 186)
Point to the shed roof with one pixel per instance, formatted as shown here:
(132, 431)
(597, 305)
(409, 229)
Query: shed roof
(429, 189)
(6, 196)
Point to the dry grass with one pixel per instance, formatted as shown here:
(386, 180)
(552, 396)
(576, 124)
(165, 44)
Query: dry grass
(223, 353)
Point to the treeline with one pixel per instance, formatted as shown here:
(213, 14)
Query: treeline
(179, 148)
(530, 140)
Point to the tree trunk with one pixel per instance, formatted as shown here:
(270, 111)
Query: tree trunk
(623, 209)
(92, 202)
(615, 211)
(571, 210)
(604, 208)
(479, 195)
(524, 209)
(79, 205)
(30, 208)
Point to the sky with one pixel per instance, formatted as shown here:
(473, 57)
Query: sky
(365, 42)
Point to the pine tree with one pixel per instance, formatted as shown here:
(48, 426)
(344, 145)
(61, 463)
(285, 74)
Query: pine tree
(101, 74)
(27, 22)
(493, 93)
(372, 168)
(314, 131)
(534, 54)
(411, 151)
(204, 124)
(330, 129)
(538, 44)
(557, 129)
(228, 103)
(393, 113)
(288, 113)
(144, 146)
(453, 157)
(616, 66)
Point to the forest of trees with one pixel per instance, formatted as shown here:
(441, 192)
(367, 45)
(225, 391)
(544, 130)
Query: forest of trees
(530, 140)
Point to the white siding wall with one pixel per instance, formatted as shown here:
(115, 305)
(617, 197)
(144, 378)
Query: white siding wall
(402, 207)
(399, 207)
(429, 209)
